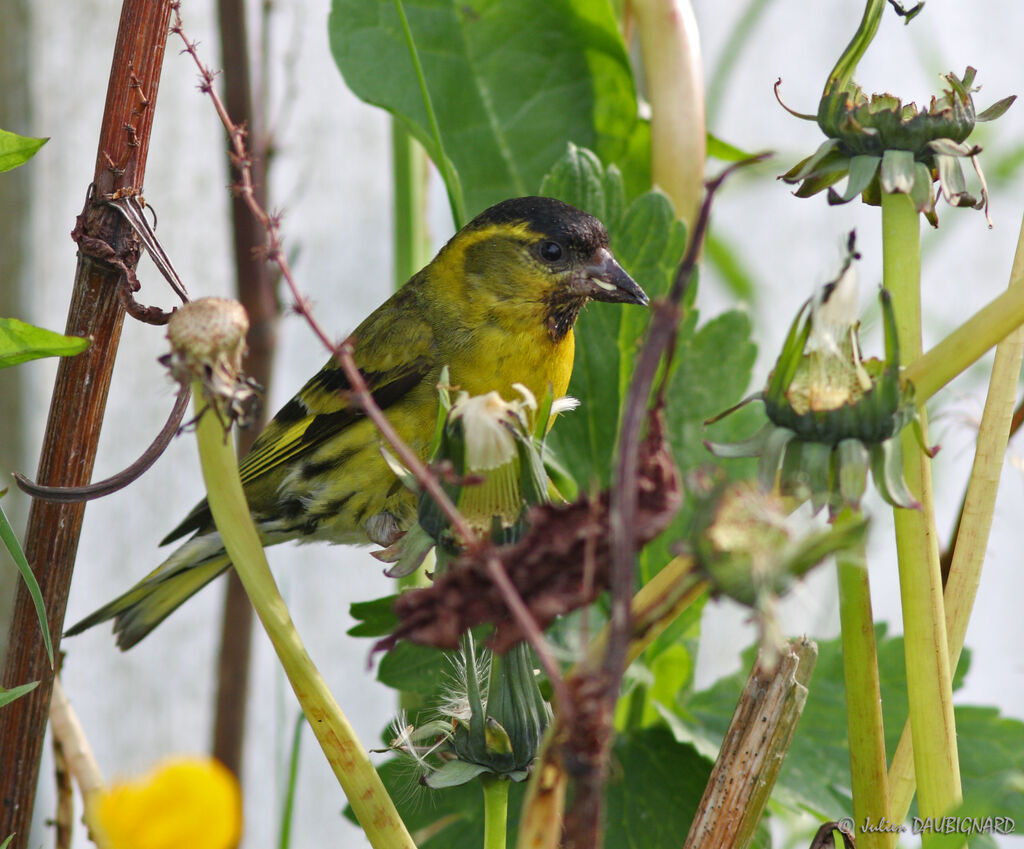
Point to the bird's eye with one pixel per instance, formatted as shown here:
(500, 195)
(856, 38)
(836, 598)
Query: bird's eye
(550, 251)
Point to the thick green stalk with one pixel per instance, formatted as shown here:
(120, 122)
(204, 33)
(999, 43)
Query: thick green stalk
(979, 504)
(411, 251)
(351, 764)
(863, 701)
(965, 345)
(409, 170)
(929, 683)
(670, 47)
(495, 811)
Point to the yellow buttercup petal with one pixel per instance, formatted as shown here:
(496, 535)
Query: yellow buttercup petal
(185, 802)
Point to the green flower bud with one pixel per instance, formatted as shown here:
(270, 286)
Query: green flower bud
(879, 144)
(832, 415)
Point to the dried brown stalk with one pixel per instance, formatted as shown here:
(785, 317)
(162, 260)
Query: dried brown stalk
(79, 398)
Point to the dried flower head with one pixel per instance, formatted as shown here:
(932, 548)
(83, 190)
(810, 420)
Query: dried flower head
(207, 339)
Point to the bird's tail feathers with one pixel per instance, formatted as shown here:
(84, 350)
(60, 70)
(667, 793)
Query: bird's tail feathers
(137, 612)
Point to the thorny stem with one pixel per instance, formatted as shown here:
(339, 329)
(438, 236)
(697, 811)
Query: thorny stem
(929, 685)
(534, 635)
(972, 536)
(342, 353)
(623, 503)
(863, 699)
(360, 394)
(623, 506)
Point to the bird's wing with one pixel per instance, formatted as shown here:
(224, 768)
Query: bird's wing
(395, 351)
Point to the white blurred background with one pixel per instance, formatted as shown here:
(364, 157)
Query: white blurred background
(332, 179)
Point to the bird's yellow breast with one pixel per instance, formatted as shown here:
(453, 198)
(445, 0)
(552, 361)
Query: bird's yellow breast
(500, 357)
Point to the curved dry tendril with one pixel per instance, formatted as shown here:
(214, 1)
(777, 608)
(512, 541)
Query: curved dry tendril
(67, 494)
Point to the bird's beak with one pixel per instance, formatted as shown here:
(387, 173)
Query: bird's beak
(605, 280)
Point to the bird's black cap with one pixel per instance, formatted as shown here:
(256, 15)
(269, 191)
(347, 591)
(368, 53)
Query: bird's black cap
(555, 219)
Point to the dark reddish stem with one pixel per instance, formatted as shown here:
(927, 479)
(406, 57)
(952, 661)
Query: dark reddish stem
(79, 399)
(258, 294)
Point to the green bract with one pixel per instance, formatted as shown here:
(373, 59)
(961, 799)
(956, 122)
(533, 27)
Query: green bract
(753, 550)
(881, 145)
(832, 416)
(494, 715)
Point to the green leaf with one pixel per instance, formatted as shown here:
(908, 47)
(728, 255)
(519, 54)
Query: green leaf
(7, 841)
(8, 696)
(16, 150)
(650, 798)
(816, 773)
(991, 748)
(648, 241)
(711, 373)
(510, 83)
(712, 365)
(10, 541)
(723, 150)
(445, 818)
(454, 773)
(410, 668)
(20, 342)
(653, 791)
(374, 618)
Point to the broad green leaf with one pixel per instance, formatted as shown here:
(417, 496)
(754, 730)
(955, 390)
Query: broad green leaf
(510, 83)
(816, 773)
(711, 372)
(373, 618)
(648, 241)
(8, 696)
(411, 668)
(20, 342)
(10, 541)
(16, 150)
(653, 790)
(712, 364)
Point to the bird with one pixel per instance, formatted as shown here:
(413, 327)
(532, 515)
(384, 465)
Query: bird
(496, 306)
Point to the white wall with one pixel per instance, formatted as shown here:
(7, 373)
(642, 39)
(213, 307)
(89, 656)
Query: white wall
(332, 179)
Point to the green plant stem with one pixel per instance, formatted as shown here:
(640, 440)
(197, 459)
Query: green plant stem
(863, 700)
(965, 345)
(929, 682)
(972, 539)
(409, 170)
(288, 808)
(348, 759)
(411, 251)
(845, 68)
(495, 811)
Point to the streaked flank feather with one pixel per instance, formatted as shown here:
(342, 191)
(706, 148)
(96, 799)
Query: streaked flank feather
(497, 306)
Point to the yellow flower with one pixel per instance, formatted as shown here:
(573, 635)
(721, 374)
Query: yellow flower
(189, 802)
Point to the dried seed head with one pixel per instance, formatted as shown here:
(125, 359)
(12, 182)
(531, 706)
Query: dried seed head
(207, 339)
